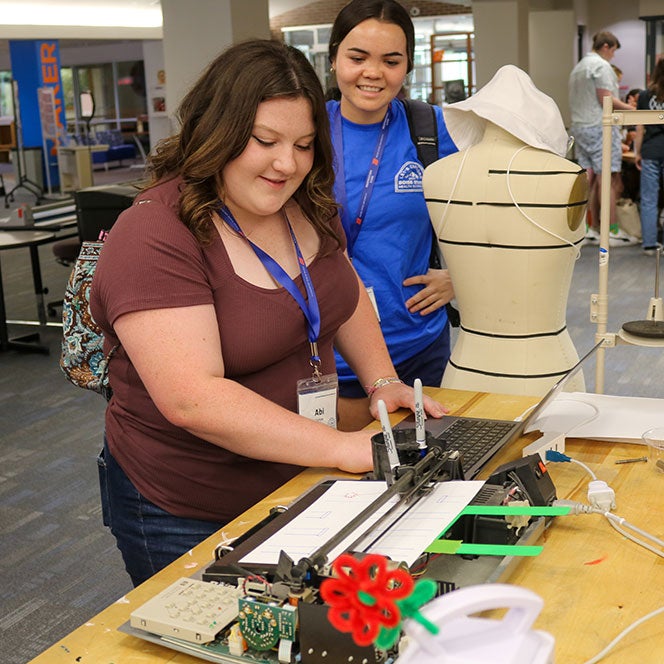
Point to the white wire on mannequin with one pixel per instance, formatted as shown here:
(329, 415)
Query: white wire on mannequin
(513, 199)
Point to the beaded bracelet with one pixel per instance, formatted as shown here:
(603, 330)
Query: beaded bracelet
(381, 382)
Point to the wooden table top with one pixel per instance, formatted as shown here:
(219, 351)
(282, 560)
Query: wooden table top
(628, 156)
(594, 582)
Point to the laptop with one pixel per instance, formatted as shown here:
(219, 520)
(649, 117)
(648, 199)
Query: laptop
(478, 439)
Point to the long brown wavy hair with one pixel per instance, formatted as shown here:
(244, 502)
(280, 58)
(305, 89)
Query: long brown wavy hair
(656, 85)
(217, 118)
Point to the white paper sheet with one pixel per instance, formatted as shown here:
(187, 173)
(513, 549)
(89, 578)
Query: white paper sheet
(344, 500)
(601, 416)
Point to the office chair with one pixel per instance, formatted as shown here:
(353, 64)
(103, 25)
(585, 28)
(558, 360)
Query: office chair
(65, 252)
(97, 208)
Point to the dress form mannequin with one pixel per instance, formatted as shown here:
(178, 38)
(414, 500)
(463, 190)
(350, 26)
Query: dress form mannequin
(511, 274)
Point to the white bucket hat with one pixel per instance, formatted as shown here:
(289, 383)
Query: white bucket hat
(511, 101)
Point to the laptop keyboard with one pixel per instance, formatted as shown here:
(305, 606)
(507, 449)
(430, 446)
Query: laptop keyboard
(475, 438)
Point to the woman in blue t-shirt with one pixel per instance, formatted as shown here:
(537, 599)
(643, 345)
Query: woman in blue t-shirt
(379, 187)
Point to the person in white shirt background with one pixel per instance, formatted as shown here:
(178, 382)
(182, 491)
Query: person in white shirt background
(590, 81)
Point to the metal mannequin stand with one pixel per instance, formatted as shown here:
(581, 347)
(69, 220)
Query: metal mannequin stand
(599, 302)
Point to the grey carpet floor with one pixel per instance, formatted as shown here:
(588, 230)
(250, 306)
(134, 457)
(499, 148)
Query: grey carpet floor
(58, 564)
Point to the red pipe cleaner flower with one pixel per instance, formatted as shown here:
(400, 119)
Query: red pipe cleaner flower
(363, 596)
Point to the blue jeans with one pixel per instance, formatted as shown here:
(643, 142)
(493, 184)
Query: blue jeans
(651, 170)
(148, 537)
(428, 365)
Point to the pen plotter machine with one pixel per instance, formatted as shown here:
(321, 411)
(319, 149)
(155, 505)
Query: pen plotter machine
(280, 614)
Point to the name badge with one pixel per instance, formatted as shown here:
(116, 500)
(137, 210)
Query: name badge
(372, 297)
(317, 399)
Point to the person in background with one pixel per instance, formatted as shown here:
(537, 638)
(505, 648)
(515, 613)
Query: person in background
(590, 81)
(649, 157)
(632, 97)
(379, 189)
(630, 174)
(629, 131)
(619, 74)
(628, 138)
(226, 285)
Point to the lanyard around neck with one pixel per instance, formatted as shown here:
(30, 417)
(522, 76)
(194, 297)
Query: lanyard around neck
(353, 225)
(309, 306)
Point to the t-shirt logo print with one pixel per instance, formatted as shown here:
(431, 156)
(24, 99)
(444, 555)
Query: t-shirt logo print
(408, 178)
(655, 105)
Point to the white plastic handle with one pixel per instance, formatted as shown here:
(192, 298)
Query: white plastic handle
(524, 607)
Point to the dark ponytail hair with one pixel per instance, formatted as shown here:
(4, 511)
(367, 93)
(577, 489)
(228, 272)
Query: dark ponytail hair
(387, 11)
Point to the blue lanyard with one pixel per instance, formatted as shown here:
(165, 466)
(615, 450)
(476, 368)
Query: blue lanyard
(310, 305)
(352, 226)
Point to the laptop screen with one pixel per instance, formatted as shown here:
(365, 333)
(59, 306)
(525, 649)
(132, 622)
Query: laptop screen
(555, 390)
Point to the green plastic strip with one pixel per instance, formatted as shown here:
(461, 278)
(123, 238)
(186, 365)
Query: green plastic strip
(516, 510)
(499, 550)
(443, 546)
(461, 548)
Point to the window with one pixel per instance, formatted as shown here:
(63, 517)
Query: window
(452, 66)
(312, 40)
(6, 101)
(131, 94)
(654, 43)
(118, 90)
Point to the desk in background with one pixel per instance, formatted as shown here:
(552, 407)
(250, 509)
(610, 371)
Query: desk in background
(53, 222)
(628, 157)
(75, 166)
(594, 583)
(15, 240)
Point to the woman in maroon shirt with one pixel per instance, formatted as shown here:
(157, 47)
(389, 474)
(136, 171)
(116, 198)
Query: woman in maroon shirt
(226, 285)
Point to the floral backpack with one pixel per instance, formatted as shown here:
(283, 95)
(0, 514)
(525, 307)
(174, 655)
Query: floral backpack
(82, 357)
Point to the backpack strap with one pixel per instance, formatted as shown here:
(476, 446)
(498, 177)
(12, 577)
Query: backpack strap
(423, 129)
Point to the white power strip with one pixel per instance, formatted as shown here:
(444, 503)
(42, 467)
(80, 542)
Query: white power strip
(189, 609)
